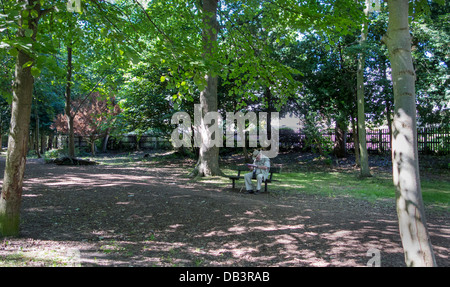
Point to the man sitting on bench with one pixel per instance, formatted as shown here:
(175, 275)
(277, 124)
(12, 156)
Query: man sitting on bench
(260, 170)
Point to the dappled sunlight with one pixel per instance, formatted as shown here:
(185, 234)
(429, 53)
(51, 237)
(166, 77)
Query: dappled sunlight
(296, 243)
(42, 253)
(293, 186)
(148, 216)
(101, 177)
(31, 195)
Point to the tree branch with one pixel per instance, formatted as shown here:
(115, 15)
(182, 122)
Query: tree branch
(153, 23)
(75, 111)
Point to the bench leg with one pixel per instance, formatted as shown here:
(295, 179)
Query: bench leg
(233, 183)
(265, 186)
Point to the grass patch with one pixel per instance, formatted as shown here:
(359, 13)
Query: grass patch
(40, 258)
(337, 184)
(435, 192)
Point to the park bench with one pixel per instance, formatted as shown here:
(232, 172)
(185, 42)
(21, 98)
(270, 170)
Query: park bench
(245, 169)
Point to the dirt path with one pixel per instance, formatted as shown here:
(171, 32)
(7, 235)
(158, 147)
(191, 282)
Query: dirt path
(148, 216)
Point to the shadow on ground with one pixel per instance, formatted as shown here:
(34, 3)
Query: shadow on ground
(127, 215)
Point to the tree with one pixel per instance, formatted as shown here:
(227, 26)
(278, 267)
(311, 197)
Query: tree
(82, 42)
(326, 89)
(27, 23)
(68, 98)
(31, 51)
(93, 42)
(93, 118)
(364, 157)
(208, 161)
(47, 103)
(410, 210)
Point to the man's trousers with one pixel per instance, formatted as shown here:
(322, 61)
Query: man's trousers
(248, 181)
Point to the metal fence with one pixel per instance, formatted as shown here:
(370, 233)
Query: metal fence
(130, 142)
(430, 141)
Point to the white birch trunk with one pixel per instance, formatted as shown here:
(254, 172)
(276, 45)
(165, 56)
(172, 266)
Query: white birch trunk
(410, 210)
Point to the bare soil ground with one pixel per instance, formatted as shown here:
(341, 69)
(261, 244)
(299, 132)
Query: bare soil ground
(153, 215)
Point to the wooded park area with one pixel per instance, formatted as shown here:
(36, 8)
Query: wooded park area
(364, 169)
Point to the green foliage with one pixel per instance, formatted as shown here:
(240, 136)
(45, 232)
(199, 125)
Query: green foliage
(430, 33)
(19, 32)
(325, 85)
(145, 100)
(53, 153)
(151, 54)
(315, 135)
(47, 102)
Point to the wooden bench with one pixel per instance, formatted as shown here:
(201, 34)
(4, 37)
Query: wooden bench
(245, 169)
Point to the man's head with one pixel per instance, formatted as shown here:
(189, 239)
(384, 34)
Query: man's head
(257, 155)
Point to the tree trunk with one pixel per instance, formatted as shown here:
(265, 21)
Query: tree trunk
(208, 161)
(16, 156)
(36, 133)
(355, 141)
(92, 142)
(43, 139)
(410, 210)
(1, 133)
(364, 156)
(70, 117)
(340, 142)
(50, 141)
(105, 141)
(269, 110)
(387, 99)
